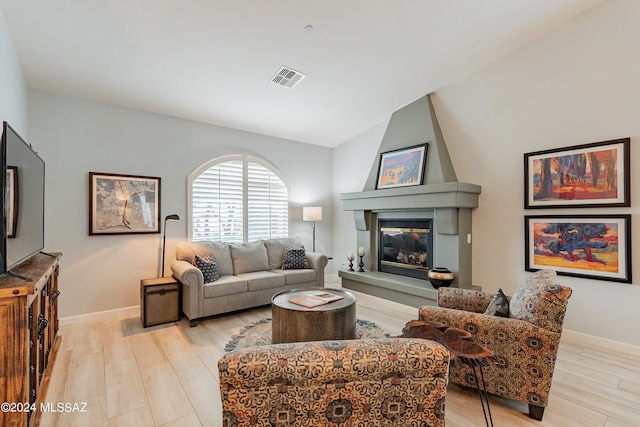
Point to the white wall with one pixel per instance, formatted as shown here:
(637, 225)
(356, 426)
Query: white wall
(76, 137)
(578, 84)
(351, 164)
(13, 86)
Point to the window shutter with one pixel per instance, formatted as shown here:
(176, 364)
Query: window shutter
(236, 194)
(217, 197)
(268, 204)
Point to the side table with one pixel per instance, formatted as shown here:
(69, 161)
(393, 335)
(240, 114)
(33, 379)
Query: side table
(462, 348)
(295, 323)
(159, 301)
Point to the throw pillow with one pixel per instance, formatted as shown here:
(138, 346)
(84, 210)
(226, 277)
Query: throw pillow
(541, 300)
(294, 259)
(499, 305)
(208, 266)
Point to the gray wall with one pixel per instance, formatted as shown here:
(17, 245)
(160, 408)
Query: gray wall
(13, 87)
(578, 84)
(76, 136)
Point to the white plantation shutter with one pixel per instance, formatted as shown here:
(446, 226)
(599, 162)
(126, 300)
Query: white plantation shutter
(239, 200)
(267, 204)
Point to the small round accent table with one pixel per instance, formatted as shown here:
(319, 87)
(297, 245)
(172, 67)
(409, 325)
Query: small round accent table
(295, 323)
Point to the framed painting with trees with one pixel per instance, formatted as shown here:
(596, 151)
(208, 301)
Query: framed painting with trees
(590, 246)
(123, 204)
(588, 175)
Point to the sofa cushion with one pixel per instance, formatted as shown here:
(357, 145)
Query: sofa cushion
(249, 257)
(187, 251)
(208, 266)
(262, 280)
(275, 249)
(295, 277)
(541, 300)
(294, 259)
(499, 305)
(226, 285)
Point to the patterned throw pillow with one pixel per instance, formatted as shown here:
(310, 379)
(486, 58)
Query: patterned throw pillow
(499, 305)
(294, 259)
(541, 300)
(207, 264)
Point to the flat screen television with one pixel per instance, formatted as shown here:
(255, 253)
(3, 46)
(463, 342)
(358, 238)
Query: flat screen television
(22, 201)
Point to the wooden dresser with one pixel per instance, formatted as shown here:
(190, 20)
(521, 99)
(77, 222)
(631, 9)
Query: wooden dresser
(28, 337)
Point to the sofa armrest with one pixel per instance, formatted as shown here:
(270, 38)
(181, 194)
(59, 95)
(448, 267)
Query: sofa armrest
(192, 287)
(318, 262)
(464, 299)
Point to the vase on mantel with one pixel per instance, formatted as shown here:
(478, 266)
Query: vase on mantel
(440, 277)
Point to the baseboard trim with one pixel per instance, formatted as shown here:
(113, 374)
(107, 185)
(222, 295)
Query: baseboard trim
(82, 318)
(581, 338)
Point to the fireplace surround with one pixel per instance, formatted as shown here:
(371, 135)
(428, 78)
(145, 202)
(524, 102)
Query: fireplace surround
(441, 204)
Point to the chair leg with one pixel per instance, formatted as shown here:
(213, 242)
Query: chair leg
(535, 412)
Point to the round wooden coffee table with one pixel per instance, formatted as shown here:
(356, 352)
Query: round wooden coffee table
(295, 323)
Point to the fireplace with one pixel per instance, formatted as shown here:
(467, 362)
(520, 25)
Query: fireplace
(405, 247)
(428, 224)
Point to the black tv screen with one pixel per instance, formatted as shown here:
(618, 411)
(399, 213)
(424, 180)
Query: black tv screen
(22, 200)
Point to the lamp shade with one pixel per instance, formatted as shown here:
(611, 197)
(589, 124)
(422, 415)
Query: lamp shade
(312, 213)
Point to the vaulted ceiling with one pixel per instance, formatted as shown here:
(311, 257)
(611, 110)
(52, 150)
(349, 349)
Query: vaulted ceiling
(213, 61)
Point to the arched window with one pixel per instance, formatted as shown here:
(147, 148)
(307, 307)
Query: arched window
(238, 199)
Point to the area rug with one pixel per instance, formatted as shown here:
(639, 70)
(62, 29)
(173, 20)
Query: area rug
(259, 333)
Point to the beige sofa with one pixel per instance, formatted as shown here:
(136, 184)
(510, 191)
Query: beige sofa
(250, 274)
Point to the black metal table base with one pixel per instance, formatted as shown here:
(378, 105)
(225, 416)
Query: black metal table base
(483, 395)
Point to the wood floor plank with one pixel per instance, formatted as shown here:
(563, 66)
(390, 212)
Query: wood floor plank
(95, 415)
(125, 391)
(167, 399)
(140, 417)
(117, 346)
(85, 378)
(188, 421)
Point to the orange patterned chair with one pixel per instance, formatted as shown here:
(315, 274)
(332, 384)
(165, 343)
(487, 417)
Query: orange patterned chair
(525, 343)
(371, 382)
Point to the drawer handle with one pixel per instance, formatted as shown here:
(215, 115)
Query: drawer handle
(42, 325)
(56, 293)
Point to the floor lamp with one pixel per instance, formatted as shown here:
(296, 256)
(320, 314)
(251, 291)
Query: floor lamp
(313, 214)
(171, 218)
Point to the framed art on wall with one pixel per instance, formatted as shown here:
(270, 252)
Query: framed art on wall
(123, 204)
(588, 175)
(589, 246)
(402, 168)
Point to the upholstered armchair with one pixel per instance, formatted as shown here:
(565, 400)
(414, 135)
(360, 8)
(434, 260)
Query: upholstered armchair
(525, 343)
(374, 382)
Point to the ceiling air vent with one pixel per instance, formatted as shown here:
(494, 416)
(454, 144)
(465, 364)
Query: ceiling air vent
(287, 77)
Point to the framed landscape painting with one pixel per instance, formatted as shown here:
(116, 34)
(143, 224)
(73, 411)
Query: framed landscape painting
(402, 168)
(588, 175)
(590, 246)
(123, 204)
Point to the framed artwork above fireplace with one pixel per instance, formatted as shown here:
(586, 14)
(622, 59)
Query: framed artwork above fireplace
(402, 168)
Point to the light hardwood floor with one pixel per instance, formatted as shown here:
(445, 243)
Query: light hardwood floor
(167, 376)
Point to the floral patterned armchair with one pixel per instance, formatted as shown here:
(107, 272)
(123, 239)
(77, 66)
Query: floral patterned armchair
(525, 343)
(381, 382)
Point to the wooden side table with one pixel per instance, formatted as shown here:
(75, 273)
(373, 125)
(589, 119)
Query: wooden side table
(295, 323)
(462, 348)
(159, 300)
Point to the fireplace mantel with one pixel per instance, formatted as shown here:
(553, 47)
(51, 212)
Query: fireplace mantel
(448, 204)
